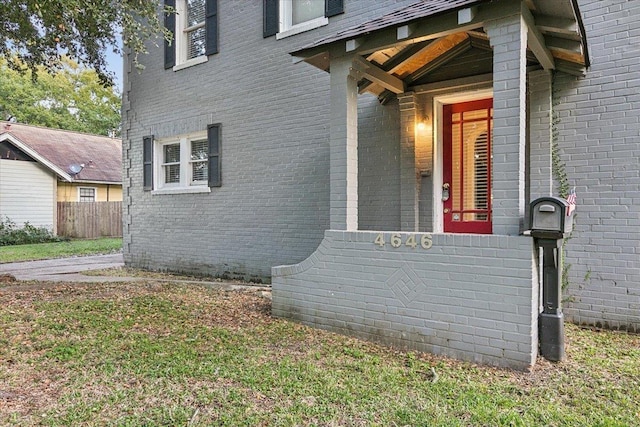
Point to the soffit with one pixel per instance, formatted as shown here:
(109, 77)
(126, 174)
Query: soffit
(415, 44)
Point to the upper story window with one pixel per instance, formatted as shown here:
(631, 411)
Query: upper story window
(195, 32)
(190, 29)
(285, 18)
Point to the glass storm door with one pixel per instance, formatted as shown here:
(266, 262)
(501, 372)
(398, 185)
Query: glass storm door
(466, 190)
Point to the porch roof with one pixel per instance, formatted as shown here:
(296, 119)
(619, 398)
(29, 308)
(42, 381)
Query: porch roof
(434, 40)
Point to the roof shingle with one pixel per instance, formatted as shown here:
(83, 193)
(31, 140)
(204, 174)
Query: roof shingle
(101, 155)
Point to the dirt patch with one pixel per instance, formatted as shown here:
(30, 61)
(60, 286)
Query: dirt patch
(7, 278)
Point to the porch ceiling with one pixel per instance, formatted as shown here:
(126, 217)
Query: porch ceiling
(435, 40)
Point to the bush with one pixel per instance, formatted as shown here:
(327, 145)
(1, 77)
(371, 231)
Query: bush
(10, 234)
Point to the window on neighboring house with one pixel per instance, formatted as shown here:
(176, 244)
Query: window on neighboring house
(189, 163)
(86, 194)
(288, 17)
(195, 28)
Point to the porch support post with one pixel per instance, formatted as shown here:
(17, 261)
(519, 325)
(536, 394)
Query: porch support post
(408, 169)
(508, 37)
(541, 123)
(343, 141)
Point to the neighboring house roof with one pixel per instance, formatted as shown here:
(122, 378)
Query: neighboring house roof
(100, 157)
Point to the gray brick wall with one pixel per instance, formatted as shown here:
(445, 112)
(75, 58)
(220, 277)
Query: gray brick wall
(272, 207)
(472, 297)
(599, 139)
(379, 165)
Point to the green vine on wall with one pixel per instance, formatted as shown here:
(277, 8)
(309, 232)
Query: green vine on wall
(559, 171)
(558, 167)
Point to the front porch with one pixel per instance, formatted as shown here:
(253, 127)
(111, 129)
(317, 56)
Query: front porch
(428, 284)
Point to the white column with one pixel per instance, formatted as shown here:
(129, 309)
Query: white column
(508, 37)
(343, 140)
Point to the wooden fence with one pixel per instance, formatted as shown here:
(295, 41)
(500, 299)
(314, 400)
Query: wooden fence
(89, 220)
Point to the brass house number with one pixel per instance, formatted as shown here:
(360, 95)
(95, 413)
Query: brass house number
(411, 240)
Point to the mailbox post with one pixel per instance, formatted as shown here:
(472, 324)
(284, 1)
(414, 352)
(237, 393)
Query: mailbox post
(550, 224)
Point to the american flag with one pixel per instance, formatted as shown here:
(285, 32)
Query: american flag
(571, 199)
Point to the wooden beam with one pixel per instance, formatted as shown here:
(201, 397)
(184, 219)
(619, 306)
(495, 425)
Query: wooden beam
(353, 44)
(536, 42)
(554, 25)
(378, 75)
(466, 15)
(570, 46)
(440, 60)
(405, 31)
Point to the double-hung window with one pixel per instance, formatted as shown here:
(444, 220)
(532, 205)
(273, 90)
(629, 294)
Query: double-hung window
(86, 194)
(194, 24)
(184, 164)
(285, 18)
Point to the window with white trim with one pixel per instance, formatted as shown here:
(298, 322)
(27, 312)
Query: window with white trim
(86, 194)
(284, 18)
(194, 24)
(182, 162)
(297, 16)
(190, 30)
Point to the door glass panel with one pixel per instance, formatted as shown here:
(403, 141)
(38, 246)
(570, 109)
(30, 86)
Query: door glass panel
(456, 167)
(477, 114)
(474, 177)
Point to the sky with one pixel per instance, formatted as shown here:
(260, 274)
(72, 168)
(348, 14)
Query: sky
(114, 64)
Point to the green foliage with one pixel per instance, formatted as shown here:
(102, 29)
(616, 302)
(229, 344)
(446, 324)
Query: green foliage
(559, 170)
(558, 166)
(72, 99)
(39, 33)
(59, 248)
(10, 234)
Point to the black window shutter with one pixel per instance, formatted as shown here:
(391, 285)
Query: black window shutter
(211, 26)
(147, 160)
(271, 25)
(213, 137)
(170, 24)
(333, 7)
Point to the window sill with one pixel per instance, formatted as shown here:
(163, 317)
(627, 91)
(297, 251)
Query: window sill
(182, 190)
(301, 28)
(191, 62)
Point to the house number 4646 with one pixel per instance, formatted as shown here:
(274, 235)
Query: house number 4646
(396, 240)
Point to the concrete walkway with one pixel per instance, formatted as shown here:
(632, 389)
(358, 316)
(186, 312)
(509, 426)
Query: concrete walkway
(71, 269)
(64, 269)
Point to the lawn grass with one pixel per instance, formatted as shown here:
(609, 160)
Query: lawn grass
(59, 249)
(162, 354)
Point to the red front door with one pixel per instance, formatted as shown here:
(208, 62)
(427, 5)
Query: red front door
(466, 191)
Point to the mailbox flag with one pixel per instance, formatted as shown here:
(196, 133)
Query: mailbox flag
(571, 199)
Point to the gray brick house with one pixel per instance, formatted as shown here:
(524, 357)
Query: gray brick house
(375, 161)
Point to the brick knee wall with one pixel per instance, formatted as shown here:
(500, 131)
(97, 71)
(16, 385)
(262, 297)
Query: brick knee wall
(470, 297)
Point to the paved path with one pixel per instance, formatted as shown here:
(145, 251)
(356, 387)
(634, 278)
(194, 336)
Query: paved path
(71, 269)
(64, 269)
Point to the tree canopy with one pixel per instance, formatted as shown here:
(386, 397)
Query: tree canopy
(41, 32)
(72, 99)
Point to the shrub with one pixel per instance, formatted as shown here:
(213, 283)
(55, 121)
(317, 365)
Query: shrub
(10, 234)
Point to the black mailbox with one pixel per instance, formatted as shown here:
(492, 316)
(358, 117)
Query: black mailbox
(548, 218)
